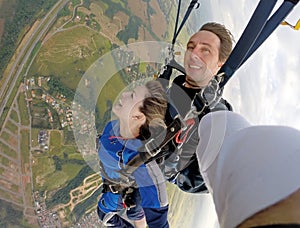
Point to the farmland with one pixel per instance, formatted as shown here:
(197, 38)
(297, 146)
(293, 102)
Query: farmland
(41, 168)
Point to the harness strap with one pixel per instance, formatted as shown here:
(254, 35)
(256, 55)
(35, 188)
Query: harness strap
(187, 14)
(152, 148)
(112, 187)
(165, 74)
(176, 23)
(256, 32)
(171, 63)
(116, 186)
(276, 19)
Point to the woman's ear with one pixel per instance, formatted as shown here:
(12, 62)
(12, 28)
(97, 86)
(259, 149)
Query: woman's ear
(139, 117)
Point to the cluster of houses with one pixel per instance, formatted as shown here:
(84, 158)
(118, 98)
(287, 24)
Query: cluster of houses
(58, 103)
(46, 218)
(43, 139)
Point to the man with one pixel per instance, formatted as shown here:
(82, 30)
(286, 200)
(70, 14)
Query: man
(251, 171)
(207, 50)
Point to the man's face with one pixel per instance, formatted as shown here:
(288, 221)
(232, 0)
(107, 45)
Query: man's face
(201, 59)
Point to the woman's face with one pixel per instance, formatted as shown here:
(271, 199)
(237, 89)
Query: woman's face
(127, 107)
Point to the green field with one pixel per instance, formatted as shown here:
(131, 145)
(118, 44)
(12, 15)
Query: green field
(25, 149)
(23, 110)
(67, 55)
(59, 178)
(75, 2)
(5, 161)
(52, 169)
(12, 216)
(6, 136)
(39, 114)
(11, 127)
(8, 151)
(43, 166)
(47, 178)
(34, 137)
(109, 92)
(55, 139)
(14, 116)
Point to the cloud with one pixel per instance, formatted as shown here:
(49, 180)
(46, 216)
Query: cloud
(268, 81)
(265, 89)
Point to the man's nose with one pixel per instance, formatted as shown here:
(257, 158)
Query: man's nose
(195, 55)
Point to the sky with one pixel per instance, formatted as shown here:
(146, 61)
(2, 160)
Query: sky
(264, 90)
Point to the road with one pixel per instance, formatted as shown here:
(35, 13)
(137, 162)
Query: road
(25, 52)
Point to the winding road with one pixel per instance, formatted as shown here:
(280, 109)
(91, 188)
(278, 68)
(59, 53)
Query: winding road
(12, 77)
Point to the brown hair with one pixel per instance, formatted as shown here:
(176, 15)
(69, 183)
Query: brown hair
(154, 108)
(225, 37)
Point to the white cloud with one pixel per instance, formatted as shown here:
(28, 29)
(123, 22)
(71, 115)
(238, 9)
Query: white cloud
(266, 88)
(269, 80)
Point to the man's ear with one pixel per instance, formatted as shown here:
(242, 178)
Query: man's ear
(220, 64)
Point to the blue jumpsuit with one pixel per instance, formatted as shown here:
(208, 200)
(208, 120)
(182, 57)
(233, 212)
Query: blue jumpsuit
(151, 198)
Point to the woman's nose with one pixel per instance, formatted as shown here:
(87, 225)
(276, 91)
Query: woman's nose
(125, 94)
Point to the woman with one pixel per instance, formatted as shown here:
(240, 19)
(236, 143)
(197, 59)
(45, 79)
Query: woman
(139, 112)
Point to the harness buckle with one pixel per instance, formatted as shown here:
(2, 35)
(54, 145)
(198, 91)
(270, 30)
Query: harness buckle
(193, 113)
(153, 152)
(113, 189)
(214, 87)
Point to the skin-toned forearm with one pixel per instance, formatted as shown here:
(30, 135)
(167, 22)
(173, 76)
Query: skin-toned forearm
(140, 223)
(287, 211)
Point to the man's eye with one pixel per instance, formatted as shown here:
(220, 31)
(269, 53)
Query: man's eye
(190, 47)
(205, 50)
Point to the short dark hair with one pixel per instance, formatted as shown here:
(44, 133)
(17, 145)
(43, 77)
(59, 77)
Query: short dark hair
(225, 37)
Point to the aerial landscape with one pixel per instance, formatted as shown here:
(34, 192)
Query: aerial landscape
(64, 63)
(45, 50)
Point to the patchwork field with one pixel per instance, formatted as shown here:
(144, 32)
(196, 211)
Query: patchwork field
(55, 170)
(15, 173)
(1, 27)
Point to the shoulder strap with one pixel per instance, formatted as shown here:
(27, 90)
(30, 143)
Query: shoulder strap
(170, 62)
(257, 31)
(193, 4)
(152, 148)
